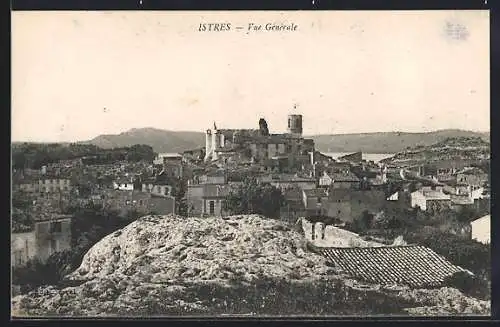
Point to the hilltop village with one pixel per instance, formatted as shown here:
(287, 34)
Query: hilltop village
(427, 199)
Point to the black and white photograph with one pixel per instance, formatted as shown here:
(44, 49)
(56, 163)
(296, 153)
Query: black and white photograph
(250, 164)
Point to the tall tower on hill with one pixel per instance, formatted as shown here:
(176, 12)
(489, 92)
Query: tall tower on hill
(295, 125)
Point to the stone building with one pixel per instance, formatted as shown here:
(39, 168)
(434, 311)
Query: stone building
(350, 204)
(44, 185)
(206, 199)
(259, 145)
(51, 233)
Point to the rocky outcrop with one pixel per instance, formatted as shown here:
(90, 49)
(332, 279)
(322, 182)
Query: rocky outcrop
(170, 265)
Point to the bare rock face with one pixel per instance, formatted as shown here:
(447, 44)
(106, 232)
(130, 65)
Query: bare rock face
(171, 248)
(171, 265)
(157, 258)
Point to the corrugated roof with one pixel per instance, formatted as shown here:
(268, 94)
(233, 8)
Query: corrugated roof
(414, 266)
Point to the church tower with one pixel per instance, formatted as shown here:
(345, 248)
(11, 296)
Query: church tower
(208, 144)
(295, 125)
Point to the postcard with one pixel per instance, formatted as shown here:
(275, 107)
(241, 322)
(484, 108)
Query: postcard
(250, 164)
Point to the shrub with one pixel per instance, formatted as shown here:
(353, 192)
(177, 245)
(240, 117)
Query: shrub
(469, 284)
(465, 253)
(37, 273)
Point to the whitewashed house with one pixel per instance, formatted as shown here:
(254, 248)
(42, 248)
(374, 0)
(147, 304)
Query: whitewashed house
(418, 199)
(123, 184)
(480, 229)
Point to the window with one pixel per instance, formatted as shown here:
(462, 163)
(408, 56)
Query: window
(212, 207)
(55, 227)
(140, 202)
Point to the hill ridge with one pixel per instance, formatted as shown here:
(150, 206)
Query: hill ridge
(370, 142)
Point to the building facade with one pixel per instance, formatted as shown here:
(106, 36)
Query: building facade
(47, 237)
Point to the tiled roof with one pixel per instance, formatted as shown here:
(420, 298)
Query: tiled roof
(316, 192)
(461, 199)
(293, 194)
(414, 266)
(471, 171)
(436, 195)
(486, 217)
(215, 191)
(339, 177)
(286, 178)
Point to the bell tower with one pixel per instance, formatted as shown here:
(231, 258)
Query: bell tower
(295, 125)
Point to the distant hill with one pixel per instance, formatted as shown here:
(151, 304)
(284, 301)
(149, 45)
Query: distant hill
(462, 148)
(161, 140)
(392, 142)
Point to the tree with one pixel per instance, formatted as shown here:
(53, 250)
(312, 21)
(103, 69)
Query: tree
(252, 197)
(140, 152)
(179, 192)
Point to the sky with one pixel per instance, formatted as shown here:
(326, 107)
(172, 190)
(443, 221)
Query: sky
(76, 75)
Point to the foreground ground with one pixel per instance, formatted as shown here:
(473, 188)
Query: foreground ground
(250, 265)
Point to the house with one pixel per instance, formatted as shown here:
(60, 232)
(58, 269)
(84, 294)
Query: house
(430, 200)
(195, 154)
(315, 201)
(340, 180)
(213, 177)
(51, 233)
(437, 201)
(286, 181)
(293, 205)
(167, 157)
(347, 205)
(206, 194)
(143, 203)
(472, 176)
(206, 199)
(161, 204)
(26, 185)
(173, 168)
(23, 248)
(156, 189)
(123, 184)
(44, 185)
(397, 202)
(480, 229)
